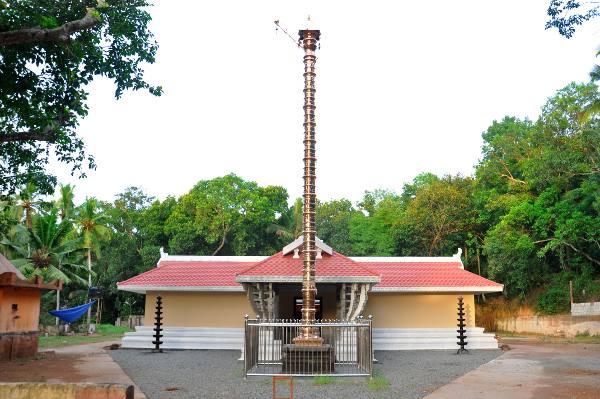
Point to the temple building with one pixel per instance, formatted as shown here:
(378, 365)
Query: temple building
(413, 300)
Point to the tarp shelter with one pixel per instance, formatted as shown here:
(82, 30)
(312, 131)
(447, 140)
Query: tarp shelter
(71, 315)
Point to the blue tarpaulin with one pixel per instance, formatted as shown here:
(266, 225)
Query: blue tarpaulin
(72, 314)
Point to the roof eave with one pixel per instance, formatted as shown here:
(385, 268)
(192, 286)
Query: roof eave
(469, 289)
(298, 279)
(142, 289)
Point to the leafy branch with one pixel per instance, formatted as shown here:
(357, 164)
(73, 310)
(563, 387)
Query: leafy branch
(60, 34)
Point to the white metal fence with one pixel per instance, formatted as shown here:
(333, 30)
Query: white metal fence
(347, 351)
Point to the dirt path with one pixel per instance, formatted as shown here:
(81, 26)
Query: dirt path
(532, 370)
(77, 363)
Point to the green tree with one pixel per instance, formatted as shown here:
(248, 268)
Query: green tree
(127, 209)
(47, 253)
(372, 230)
(567, 15)
(548, 224)
(27, 204)
(64, 203)
(333, 224)
(91, 224)
(409, 190)
(226, 215)
(136, 225)
(440, 216)
(51, 52)
(289, 226)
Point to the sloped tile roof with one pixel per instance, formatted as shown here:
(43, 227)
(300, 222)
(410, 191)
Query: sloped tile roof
(189, 274)
(427, 274)
(393, 274)
(332, 267)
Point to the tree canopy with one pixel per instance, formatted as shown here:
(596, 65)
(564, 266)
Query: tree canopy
(567, 15)
(49, 52)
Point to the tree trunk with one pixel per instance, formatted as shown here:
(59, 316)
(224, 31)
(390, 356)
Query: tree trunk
(479, 271)
(89, 262)
(225, 231)
(57, 303)
(28, 219)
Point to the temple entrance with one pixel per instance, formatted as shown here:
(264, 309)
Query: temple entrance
(336, 301)
(289, 301)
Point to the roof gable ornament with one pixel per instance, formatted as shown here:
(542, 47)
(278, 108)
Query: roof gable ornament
(458, 253)
(457, 256)
(296, 247)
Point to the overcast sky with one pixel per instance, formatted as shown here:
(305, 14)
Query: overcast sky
(401, 89)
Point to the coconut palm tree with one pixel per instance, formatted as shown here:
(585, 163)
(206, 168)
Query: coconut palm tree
(64, 203)
(92, 227)
(47, 250)
(290, 226)
(27, 204)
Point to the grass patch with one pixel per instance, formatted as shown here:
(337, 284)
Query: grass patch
(586, 338)
(511, 334)
(110, 329)
(581, 338)
(322, 380)
(104, 332)
(378, 383)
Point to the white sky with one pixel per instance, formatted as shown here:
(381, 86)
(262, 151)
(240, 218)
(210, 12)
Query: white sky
(401, 89)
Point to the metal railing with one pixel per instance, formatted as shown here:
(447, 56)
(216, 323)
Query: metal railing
(347, 349)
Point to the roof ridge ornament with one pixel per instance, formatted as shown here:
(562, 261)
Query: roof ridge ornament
(297, 244)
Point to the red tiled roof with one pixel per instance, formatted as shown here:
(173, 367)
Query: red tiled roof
(401, 275)
(427, 274)
(335, 265)
(189, 274)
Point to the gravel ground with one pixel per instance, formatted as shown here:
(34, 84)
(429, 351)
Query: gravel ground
(218, 374)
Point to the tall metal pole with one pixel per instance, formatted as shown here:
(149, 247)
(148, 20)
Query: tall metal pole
(308, 334)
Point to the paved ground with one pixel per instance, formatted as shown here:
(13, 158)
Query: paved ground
(532, 369)
(218, 374)
(77, 363)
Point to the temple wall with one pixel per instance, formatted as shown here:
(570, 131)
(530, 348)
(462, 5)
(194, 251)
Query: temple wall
(390, 310)
(200, 309)
(398, 310)
(26, 316)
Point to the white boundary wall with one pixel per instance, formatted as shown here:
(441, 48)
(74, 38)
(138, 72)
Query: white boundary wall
(585, 309)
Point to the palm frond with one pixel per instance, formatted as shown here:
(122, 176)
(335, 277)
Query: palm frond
(592, 110)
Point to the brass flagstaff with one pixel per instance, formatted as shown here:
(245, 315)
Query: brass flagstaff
(308, 334)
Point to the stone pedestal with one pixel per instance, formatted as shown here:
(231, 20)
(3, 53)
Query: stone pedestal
(298, 359)
(18, 345)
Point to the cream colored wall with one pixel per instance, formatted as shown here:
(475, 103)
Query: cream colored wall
(397, 310)
(199, 309)
(389, 310)
(26, 317)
